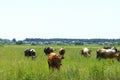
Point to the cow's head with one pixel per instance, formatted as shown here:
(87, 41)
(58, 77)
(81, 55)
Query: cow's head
(33, 53)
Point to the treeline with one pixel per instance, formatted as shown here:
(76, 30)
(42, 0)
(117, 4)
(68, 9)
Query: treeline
(61, 41)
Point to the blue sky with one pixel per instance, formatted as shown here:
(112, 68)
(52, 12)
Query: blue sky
(83, 19)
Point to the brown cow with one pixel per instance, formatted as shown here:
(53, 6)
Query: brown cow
(54, 60)
(62, 52)
(48, 50)
(108, 53)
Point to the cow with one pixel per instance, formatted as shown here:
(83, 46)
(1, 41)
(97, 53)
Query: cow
(54, 59)
(30, 53)
(48, 50)
(62, 52)
(86, 52)
(108, 53)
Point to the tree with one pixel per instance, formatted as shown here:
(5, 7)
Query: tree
(19, 42)
(14, 40)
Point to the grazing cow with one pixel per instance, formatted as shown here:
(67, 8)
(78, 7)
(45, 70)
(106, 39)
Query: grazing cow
(86, 52)
(107, 53)
(54, 60)
(30, 52)
(48, 50)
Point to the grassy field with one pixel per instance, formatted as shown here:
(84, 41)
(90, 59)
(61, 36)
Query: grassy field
(14, 66)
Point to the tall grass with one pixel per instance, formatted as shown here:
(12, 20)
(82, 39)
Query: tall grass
(14, 66)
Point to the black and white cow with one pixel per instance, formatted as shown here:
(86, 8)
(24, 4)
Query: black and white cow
(30, 52)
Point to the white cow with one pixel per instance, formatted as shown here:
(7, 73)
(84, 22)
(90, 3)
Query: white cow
(86, 52)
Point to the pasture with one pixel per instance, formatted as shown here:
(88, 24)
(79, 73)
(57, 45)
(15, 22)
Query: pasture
(15, 66)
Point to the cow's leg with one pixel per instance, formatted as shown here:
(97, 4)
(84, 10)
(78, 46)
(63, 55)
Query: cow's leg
(88, 54)
(98, 57)
(118, 58)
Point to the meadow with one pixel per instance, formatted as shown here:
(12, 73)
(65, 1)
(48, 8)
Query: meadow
(15, 66)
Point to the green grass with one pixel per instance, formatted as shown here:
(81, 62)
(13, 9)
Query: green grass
(14, 66)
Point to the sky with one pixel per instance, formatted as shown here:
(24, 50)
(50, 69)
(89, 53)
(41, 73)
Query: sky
(79, 19)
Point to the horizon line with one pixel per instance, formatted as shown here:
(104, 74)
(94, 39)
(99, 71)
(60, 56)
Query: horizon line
(60, 38)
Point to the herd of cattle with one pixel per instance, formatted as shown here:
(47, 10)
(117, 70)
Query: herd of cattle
(54, 59)
(105, 52)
